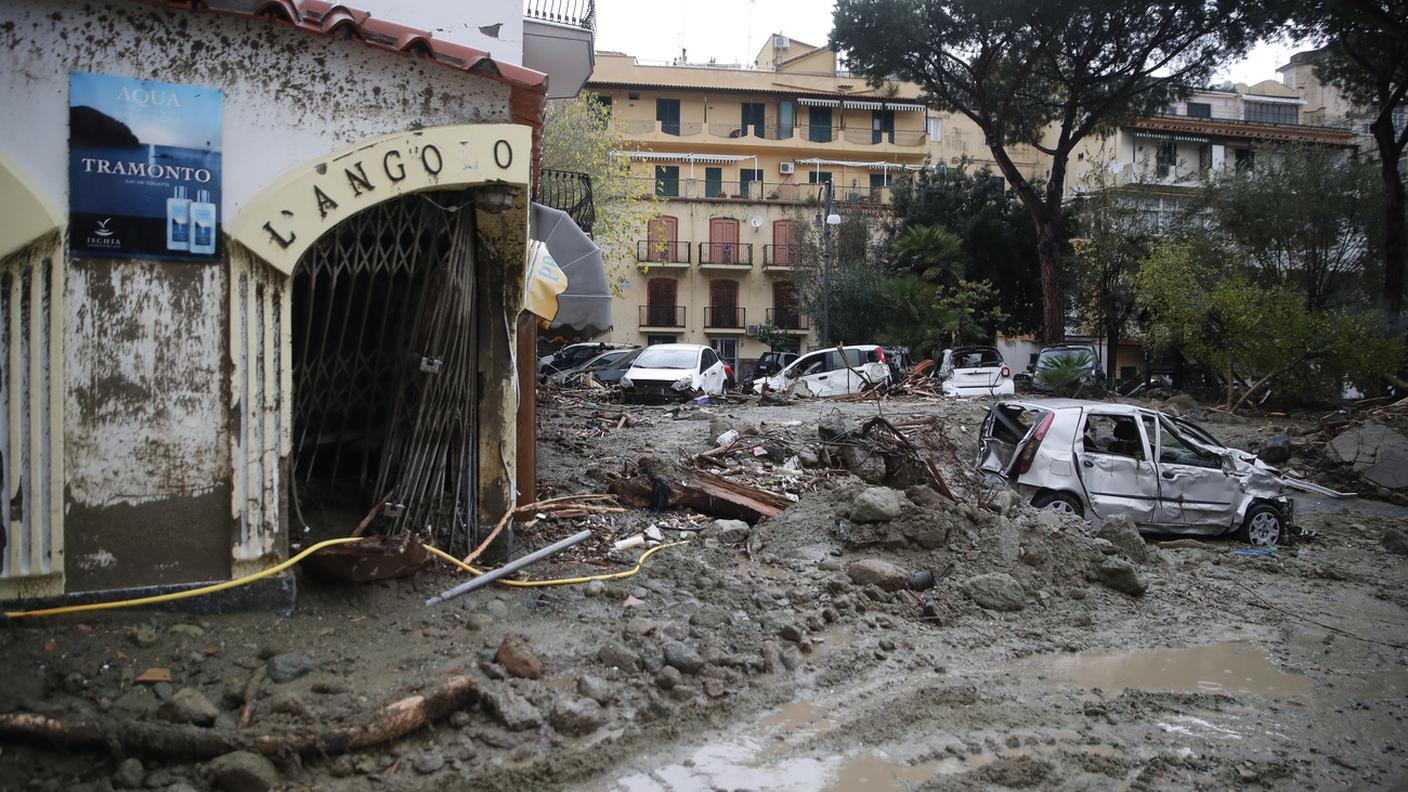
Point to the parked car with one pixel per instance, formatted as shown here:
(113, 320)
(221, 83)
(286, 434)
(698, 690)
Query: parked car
(1090, 381)
(574, 355)
(673, 371)
(826, 373)
(773, 362)
(975, 371)
(612, 374)
(591, 366)
(1166, 474)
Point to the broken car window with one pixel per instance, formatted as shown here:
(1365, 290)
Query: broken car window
(1113, 434)
(1174, 450)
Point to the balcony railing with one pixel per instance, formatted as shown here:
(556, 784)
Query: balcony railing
(1243, 121)
(662, 316)
(661, 251)
(782, 255)
(726, 253)
(788, 319)
(853, 136)
(576, 13)
(802, 192)
(570, 192)
(724, 317)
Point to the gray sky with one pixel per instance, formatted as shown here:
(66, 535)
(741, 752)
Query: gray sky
(657, 29)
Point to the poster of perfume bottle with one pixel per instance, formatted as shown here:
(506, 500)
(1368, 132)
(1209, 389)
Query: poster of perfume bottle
(144, 168)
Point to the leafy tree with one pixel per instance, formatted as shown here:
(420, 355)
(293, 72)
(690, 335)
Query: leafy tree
(852, 276)
(577, 136)
(1303, 219)
(774, 337)
(1047, 74)
(1367, 59)
(926, 317)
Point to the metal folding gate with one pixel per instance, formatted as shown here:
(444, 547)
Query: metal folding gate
(384, 371)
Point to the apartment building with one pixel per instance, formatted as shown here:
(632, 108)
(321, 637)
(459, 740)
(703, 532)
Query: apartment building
(740, 157)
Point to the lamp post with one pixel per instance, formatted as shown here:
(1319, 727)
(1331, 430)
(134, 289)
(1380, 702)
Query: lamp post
(832, 219)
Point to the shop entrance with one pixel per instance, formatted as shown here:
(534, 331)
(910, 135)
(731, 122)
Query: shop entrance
(384, 366)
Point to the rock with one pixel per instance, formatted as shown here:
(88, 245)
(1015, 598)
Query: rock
(683, 656)
(518, 658)
(723, 529)
(1376, 452)
(510, 709)
(186, 630)
(129, 774)
(772, 657)
(1006, 501)
(594, 589)
(1277, 450)
(884, 574)
(286, 702)
(668, 678)
(834, 427)
(242, 771)
(188, 706)
(596, 689)
(1120, 532)
(876, 504)
(144, 636)
(790, 632)
(997, 591)
(496, 608)
(288, 666)
(617, 656)
(576, 716)
(1120, 575)
(709, 617)
(427, 763)
(1182, 403)
(1395, 541)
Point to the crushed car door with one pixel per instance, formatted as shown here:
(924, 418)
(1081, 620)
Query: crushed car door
(1117, 467)
(821, 375)
(1195, 489)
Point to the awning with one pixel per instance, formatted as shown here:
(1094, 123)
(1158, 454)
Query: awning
(818, 102)
(666, 156)
(881, 166)
(583, 304)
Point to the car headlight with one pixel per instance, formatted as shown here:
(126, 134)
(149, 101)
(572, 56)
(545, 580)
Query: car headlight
(625, 381)
(683, 383)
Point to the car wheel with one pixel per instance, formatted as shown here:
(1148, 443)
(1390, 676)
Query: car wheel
(1063, 502)
(1263, 525)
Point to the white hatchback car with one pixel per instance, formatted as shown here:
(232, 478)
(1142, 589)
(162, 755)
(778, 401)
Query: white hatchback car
(673, 371)
(825, 372)
(975, 371)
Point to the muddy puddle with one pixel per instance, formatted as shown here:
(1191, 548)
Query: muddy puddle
(1233, 666)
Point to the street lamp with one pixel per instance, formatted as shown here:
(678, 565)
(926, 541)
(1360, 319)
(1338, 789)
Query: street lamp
(832, 219)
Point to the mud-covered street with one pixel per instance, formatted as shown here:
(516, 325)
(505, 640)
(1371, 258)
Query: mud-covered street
(793, 654)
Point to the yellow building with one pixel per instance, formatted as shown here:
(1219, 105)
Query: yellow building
(740, 157)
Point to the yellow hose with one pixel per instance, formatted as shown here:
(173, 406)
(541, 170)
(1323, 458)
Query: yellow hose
(277, 568)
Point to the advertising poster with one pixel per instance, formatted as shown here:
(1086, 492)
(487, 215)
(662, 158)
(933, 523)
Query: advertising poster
(144, 168)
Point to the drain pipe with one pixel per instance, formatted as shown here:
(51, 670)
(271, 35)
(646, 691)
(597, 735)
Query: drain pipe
(509, 568)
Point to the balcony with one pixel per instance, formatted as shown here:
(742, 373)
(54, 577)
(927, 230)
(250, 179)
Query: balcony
(726, 255)
(768, 137)
(686, 188)
(570, 192)
(662, 317)
(724, 318)
(789, 320)
(662, 253)
(781, 258)
(558, 40)
(1241, 128)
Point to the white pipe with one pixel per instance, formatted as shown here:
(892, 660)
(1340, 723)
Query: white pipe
(509, 568)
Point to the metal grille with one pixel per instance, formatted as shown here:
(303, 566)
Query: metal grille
(384, 369)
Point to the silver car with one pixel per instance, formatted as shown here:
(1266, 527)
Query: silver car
(1167, 475)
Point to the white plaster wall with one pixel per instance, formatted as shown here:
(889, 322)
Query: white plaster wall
(467, 22)
(289, 96)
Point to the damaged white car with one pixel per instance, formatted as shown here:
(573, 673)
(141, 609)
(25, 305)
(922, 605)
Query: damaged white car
(1165, 474)
(826, 372)
(673, 372)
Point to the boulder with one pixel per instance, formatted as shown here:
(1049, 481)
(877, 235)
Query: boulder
(576, 716)
(876, 504)
(596, 689)
(188, 706)
(997, 591)
(129, 774)
(884, 574)
(242, 771)
(518, 658)
(618, 656)
(1277, 450)
(510, 709)
(1120, 575)
(1119, 531)
(681, 655)
(1374, 451)
(1395, 541)
(288, 666)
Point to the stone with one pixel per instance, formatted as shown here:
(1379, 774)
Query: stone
(668, 678)
(772, 657)
(286, 702)
(790, 632)
(1376, 452)
(884, 574)
(518, 658)
(1006, 501)
(428, 762)
(242, 771)
(1182, 403)
(496, 608)
(594, 589)
(129, 774)
(1277, 450)
(1119, 531)
(288, 666)
(596, 689)
(186, 630)
(576, 716)
(513, 711)
(997, 591)
(876, 504)
(724, 529)
(188, 706)
(615, 655)
(1120, 575)
(143, 636)
(683, 656)
(709, 617)
(1395, 541)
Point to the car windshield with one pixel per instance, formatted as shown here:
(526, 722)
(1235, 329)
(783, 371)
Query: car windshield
(1057, 357)
(609, 359)
(577, 355)
(667, 358)
(974, 358)
(625, 360)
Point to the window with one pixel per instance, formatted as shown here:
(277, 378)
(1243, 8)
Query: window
(727, 350)
(723, 304)
(882, 126)
(652, 340)
(1199, 110)
(605, 102)
(878, 183)
(815, 363)
(713, 182)
(747, 176)
(753, 119)
(1174, 450)
(1244, 159)
(819, 125)
(661, 235)
(818, 177)
(667, 112)
(934, 127)
(660, 309)
(1165, 157)
(667, 181)
(1116, 435)
(723, 247)
(786, 118)
(1271, 113)
(707, 358)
